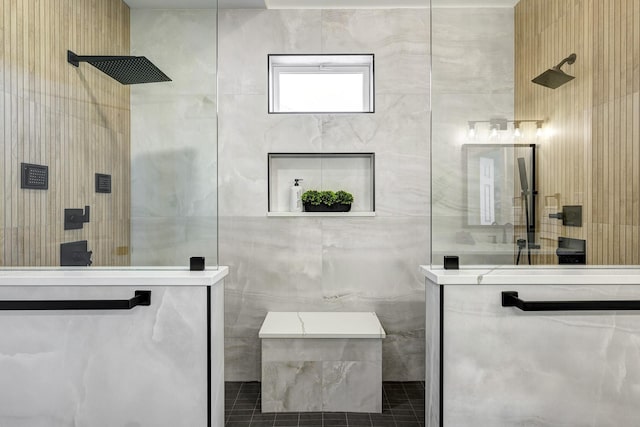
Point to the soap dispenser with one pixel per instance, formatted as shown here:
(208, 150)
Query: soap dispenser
(295, 200)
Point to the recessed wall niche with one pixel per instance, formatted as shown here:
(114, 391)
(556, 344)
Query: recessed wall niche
(351, 172)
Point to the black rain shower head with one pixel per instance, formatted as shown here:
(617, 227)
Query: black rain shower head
(554, 77)
(127, 70)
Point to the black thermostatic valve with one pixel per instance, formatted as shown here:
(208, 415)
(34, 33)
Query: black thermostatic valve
(196, 263)
(75, 218)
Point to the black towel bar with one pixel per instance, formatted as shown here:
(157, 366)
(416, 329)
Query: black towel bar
(140, 298)
(510, 299)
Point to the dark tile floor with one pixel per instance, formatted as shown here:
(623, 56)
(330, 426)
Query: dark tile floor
(402, 406)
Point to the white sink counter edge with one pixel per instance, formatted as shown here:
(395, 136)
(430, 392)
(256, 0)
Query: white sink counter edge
(534, 275)
(111, 276)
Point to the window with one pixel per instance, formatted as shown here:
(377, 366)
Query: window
(321, 84)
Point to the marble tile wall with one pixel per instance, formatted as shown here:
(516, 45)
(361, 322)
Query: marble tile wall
(325, 264)
(149, 363)
(473, 79)
(504, 367)
(313, 375)
(174, 139)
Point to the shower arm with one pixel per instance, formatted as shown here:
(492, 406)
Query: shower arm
(568, 60)
(75, 60)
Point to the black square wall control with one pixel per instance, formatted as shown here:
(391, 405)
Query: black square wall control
(103, 183)
(34, 177)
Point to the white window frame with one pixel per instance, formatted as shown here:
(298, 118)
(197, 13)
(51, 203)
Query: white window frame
(361, 64)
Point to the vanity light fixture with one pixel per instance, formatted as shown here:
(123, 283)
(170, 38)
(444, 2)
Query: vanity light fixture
(472, 130)
(496, 125)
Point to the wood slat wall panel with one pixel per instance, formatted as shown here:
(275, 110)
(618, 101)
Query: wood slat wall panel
(593, 156)
(75, 120)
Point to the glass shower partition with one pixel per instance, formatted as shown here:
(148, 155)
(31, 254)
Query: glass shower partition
(95, 172)
(174, 141)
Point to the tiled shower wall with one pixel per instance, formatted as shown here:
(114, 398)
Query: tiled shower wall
(173, 139)
(473, 79)
(325, 264)
(73, 120)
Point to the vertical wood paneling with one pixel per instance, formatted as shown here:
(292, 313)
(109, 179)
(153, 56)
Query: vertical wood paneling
(3, 46)
(75, 120)
(593, 156)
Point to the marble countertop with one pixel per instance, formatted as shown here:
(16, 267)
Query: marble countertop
(111, 276)
(321, 325)
(534, 275)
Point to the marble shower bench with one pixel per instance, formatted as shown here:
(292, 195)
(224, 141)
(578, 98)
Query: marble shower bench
(321, 361)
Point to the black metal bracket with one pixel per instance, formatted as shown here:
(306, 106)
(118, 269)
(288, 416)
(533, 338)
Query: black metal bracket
(510, 299)
(140, 298)
(75, 60)
(451, 262)
(75, 218)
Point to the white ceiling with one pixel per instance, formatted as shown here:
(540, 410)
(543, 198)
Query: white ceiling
(345, 4)
(312, 4)
(474, 3)
(195, 4)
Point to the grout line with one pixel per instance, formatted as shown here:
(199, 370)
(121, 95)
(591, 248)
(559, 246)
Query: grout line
(253, 412)
(393, 418)
(399, 390)
(410, 404)
(234, 403)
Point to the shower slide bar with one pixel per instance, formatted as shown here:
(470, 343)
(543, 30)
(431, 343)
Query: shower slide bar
(510, 299)
(140, 298)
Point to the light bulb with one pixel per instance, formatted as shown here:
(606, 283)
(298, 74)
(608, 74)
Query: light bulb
(472, 130)
(539, 131)
(494, 132)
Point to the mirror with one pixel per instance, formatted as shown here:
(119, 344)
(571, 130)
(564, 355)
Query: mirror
(493, 183)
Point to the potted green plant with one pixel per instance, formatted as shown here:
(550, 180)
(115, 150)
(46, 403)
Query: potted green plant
(327, 201)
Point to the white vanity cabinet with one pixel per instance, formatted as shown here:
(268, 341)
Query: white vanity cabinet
(94, 365)
(491, 365)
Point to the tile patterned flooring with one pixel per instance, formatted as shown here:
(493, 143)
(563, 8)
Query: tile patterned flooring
(402, 406)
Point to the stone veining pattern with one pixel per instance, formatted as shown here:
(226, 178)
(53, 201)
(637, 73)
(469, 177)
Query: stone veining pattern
(313, 375)
(325, 264)
(72, 369)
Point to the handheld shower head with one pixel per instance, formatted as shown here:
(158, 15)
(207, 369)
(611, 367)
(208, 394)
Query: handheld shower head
(554, 77)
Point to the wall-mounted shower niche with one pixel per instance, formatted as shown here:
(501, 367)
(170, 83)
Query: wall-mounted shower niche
(352, 172)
